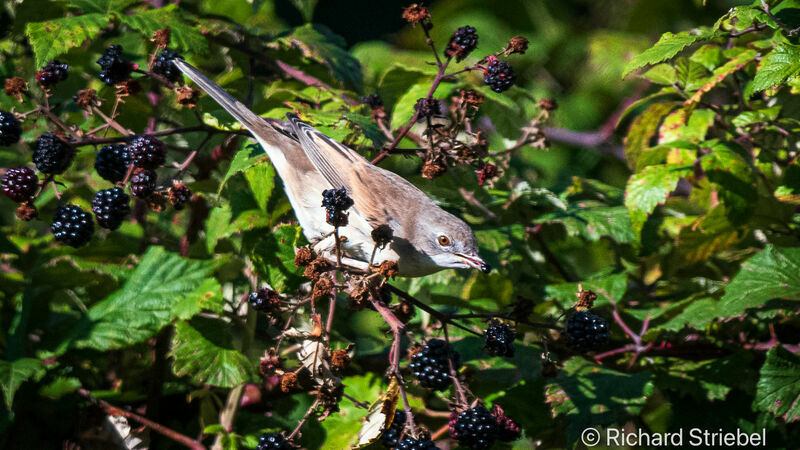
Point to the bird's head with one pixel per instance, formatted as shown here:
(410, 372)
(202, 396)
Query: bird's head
(450, 243)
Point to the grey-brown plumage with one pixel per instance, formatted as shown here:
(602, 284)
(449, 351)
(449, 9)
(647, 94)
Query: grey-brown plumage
(425, 237)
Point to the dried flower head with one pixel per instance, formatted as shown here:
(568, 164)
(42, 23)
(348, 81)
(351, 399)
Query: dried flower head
(15, 87)
(322, 288)
(382, 235)
(433, 168)
(26, 211)
(187, 96)
(416, 13)
(388, 269)
(516, 44)
(161, 37)
(303, 257)
(586, 299)
(86, 98)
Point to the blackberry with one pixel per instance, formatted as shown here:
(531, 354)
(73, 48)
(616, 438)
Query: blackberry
(10, 128)
(427, 108)
(146, 151)
(115, 69)
(264, 300)
(586, 331)
(430, 365)
(52, 73)
(52, 155)
(475, 428)
(409, 443)
(374, 101)
(499, 339)
(19, 184)
(462, 43)
(391, 436)
(112, 162)
(72, 225)
(163, 65)
(110, 207)
(336, 202)
(143, 182)
(498, 75)
(179, 195)
(272, 441)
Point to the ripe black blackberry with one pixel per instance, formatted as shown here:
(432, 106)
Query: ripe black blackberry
(163, 65)
(143, 182)
(115, 69)
(19, 184)
(586, 331)
(52, 155)
(475, 428)
(391, 436)
(72, 225)
(272, 441)
(52, 73)
(264, 300)
(179, 195)
(110, 207)
(499, 339)
(336, 202)
(409, 443)
(146, 151)
(431, 367)
(10, 128)
(112, 162)
(498, 75)
(462, 43)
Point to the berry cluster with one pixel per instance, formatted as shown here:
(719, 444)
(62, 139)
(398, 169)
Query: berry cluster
(112, 162)
(146, 151)
(587, 331)
(72, 225)
(264, 300)
(474, 428)
(10, 128)
(391, 435)
(272, 441)
(431, 365)
(462, 43)
(163, 66)
(52, 73)
(499, 339)
(19, 184)
(52, 155)
(409, 443)
(110, 207)
(143, 182)
(499, 75)
(336, 202)
(115, 69)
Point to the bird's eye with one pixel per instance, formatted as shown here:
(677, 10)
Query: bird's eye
(444, 240)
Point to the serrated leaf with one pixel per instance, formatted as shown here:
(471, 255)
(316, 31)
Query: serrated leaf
(650, 188)
(208, 357)
(183, 36)
(273, 255)
(779, 64)
(207, 296)
(707, 380)
(708, 235)
(14, 373)
(718, 76)
(55, 37)
(245, 158)
(643, 129)
(662, 74)
(396, 81)
(261, 178)
(773, 273)
(667, 46)
(778, 389)
(143, 305)
(593, 221)
(100, 6)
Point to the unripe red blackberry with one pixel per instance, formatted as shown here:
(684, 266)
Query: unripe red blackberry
(498, 75)
(499, 339)
(52, 155)
(52, 73)
(179, 195)
(110, 207)
(475, 428)
(409, 443)
(143, 182)
(163, 66)
(10, 128)
(146, 151)
(336, 202)
(272, 441)
(431, 364)
(391, 435)
(115, 69)
(586, 331)
(112, 162)
(462, 43)
(72, 225)
(19, 184)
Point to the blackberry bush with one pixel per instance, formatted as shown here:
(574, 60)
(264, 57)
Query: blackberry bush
(110, 207)
(10, 128)
(52, 155)
(72, 225)
(499, 75)
(52, 73)
(431, 367)
(462, 43)
(146, 151)
(587, 331)
(19, 184)
(112, 162)
(114, 68)
(475, 428)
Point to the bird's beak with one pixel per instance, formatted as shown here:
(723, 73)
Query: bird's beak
(475, 262)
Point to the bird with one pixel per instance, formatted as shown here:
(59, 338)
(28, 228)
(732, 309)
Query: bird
(425, 237)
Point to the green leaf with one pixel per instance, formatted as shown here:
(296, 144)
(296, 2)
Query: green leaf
(758, 116)
(306, 8)
(779, 385)
(780, 64)
(55, 37)
(668, 46)
(273, 255)
(100, 6)
(708, 235)
(773, 273)
(182, 35)
(13, 373)
(718, 76)
(261, 178)
(592, 221)
(707, 380)
(643, 129)
(662, 74)
(145, 302)
(404, 108)
(396, 81)
(245, 158)
(207, 296)
(650, 188)
(203, 351)
(609, 287)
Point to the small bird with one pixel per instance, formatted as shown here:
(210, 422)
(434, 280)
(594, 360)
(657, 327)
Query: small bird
(425, 238)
